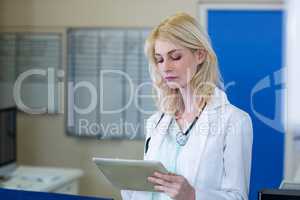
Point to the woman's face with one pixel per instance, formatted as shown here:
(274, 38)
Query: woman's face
(176, 64)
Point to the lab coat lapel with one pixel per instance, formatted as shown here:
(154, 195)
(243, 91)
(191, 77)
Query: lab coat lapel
(157, 137)
(198, 140)
(196, 146)
(154, 147)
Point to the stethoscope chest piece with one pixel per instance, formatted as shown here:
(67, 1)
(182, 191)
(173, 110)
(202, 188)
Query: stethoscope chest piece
(181, 138)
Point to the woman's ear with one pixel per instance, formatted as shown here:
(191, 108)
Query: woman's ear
(200, 55)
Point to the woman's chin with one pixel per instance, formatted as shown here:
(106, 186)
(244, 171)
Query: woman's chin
(173, 85)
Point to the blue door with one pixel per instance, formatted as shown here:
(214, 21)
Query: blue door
(249, 47)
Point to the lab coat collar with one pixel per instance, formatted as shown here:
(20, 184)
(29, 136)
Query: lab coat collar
(218, 100)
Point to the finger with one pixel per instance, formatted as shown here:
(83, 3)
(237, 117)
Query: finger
(161, 188)
(159, 181)
(172, 193)
(168, 177)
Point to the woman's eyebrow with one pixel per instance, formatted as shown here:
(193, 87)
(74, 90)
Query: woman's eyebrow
(169, 52)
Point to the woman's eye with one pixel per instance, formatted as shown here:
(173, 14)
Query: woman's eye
(175, 57)
(159, 60)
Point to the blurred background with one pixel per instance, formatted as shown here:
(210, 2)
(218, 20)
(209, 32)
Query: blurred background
(53, 53)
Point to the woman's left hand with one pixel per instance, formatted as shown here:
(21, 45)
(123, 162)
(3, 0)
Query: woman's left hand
(175, 186)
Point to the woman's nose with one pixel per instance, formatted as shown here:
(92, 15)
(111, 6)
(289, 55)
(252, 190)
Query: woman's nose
(167, 65)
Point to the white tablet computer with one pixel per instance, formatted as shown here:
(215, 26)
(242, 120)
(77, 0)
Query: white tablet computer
(129, 174)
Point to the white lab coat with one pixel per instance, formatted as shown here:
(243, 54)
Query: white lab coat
(216, 160)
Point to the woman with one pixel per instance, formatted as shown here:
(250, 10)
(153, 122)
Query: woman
(204, 141)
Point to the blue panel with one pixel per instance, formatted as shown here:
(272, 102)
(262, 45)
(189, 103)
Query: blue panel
(7, 194)
(249, 47)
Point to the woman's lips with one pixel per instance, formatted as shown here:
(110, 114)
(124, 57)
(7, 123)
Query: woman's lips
(170, 78)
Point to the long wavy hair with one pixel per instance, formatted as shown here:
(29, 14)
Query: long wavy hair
(184, 30)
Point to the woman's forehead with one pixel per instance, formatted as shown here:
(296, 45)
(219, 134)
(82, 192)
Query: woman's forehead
(163, 47)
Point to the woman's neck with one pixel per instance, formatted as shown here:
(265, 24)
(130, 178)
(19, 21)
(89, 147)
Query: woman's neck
(189, 100)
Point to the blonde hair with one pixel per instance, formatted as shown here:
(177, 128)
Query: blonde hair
(184, 30)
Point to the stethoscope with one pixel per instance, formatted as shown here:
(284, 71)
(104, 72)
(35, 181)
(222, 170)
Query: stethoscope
(181, 137)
